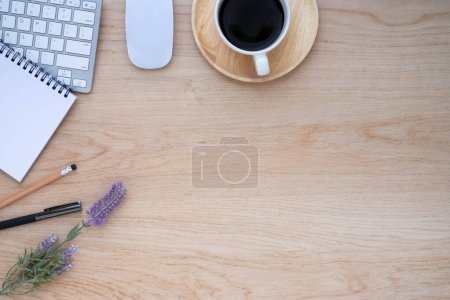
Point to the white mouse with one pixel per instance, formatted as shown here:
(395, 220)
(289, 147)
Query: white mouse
(149, 29)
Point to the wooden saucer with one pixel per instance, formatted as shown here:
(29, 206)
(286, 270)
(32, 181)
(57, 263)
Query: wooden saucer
(283, 59)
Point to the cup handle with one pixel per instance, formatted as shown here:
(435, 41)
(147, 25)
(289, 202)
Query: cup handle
(261, 64)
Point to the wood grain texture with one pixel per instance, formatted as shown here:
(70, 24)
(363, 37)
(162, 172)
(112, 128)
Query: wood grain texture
(283, 59)
(353, 198)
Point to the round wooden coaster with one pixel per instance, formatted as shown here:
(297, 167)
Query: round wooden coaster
(283, 59)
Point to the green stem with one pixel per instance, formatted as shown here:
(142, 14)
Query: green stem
(34, 268)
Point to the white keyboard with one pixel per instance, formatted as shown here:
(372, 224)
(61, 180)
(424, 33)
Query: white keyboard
(59, 35)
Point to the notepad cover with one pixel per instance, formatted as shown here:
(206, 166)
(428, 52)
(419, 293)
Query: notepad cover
(30, 113)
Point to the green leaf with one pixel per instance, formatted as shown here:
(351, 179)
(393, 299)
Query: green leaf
(34, 269)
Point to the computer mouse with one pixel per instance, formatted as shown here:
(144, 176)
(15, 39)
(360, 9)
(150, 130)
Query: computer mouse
(149, 31)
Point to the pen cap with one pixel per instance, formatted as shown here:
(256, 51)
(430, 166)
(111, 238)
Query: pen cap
(59, 210)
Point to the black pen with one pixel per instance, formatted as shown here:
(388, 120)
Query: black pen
(48, 213)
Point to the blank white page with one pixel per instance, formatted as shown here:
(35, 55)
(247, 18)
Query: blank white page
(30, 112)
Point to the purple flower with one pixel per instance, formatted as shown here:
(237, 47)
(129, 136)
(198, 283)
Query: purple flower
(66, 263)
(67, 254)
(66, 267)
(99, 212)
(48, 243)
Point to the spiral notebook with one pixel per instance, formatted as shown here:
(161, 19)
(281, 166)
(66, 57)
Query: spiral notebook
(32, 105)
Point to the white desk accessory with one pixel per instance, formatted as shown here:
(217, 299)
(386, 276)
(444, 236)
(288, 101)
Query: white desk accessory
(149, 30)
(32, 105)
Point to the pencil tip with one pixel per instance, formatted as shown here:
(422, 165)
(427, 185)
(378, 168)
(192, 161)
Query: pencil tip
(73, 167)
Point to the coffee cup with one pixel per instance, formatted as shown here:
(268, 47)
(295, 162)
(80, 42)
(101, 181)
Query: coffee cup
(253, 27)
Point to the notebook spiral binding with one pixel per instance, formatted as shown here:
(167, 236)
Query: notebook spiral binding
(32, 68)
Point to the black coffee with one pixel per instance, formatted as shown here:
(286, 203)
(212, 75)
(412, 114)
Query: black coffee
(251, 25)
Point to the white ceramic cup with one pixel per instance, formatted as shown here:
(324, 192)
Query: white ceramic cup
(260, 58)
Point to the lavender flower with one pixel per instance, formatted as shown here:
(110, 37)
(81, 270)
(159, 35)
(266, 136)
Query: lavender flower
(48, 243)
(65, 261)
(99, 212)
(66, 267)
(67, 254)
(38, 267)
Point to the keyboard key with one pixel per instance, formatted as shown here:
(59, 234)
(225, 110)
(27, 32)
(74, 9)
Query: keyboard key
(72, 62)
(56, 44)
(41, 42)
(47, 58)
(73, 3)
(33, 9)
(1, 34)
(70, 31)
(49, 12)
(18, 7)
(26, 39)
(58, 2)
(4, 5)
(23, 24)
(84, 17)
(89, 5)
(86, 33)
(64, 73)
(64, 80)
(8, 21)
(39, 26)
(76, 47)
(54, 28)
(65, 14)
(79, 83)
(10, 37)
(33, 55)
(19, 50)
(43, 1)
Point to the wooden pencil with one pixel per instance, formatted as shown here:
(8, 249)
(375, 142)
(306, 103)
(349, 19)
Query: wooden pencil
(46, 181)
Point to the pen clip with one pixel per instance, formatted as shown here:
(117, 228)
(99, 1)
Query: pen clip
(64, 207)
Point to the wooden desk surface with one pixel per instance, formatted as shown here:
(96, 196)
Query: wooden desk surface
(353, 197)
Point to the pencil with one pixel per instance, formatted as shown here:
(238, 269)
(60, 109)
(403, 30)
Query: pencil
(67, 170)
